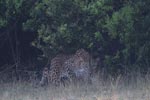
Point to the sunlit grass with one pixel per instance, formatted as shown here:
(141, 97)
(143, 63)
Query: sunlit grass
(121, 88)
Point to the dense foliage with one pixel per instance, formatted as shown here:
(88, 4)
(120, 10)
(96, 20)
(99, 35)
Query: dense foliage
(117, 31)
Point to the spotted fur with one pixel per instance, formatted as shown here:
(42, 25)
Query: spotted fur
(79, 66)
(65, 68)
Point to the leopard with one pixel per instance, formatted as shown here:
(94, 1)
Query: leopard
(66, 68)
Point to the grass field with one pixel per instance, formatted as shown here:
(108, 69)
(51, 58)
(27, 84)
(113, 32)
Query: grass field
(134, 87)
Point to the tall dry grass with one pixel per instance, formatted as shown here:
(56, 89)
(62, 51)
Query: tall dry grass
(133, 86)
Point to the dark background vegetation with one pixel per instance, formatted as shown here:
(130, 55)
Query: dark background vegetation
(116, 31)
